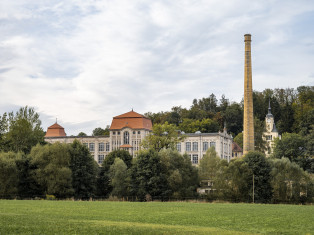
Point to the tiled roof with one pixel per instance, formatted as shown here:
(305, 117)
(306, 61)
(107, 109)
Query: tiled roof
(55, 131)
(126, 146)
(132, 120)
(130, 114)
(236, 147)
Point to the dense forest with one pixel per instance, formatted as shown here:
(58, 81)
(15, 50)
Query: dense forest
(292, 109)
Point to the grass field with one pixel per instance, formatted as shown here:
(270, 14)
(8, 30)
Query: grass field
(69, 217)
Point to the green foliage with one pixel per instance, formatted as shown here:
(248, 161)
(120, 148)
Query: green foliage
(104, 187)
(50, 197)
(209, 165)
(82, 134)
(289, 182)
(182, 176)
(204, 126)
(20, 131)
(239, 139)
(234, 118)
(84, 171)
(261, 169)
(100, 132)
(297, 149)
(8, 174)
(259, 129)
(119, 178)
(52, 170)
(238, 176)
(149, 177)
(162, 136)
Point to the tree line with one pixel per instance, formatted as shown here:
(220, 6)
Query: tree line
(30, 167)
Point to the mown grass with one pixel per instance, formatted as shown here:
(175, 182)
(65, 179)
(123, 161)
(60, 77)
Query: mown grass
(84, 217)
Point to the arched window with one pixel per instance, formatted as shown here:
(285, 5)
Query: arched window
(126, 137)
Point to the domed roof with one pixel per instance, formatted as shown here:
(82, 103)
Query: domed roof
(55, 130)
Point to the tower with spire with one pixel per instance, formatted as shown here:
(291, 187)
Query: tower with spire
(271, 131)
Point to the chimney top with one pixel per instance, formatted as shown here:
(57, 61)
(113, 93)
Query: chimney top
(247, 37)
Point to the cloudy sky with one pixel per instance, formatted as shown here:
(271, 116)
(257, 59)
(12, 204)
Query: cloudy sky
(85, 61)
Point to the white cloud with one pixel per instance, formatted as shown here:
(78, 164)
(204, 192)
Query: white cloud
(87, 61)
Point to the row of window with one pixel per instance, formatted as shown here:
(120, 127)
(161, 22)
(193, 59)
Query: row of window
(194, 146)
(101, 147)
(118, 132)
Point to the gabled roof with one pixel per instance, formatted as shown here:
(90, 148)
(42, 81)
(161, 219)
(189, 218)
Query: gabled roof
(132, 120)
(130, 114)
(55, 130)
(236, 147)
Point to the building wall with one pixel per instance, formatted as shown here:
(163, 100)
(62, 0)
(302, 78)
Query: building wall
(196, 145)
(101, 146)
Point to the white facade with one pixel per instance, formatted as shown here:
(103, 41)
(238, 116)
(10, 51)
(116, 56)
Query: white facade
(196, 145)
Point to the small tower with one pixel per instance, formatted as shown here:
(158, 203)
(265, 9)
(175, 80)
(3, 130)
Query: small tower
(271, 131)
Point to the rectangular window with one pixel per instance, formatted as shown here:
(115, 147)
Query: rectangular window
(91, 147)
(195, 146)
(139, 132)
(195, 159)
(205, 146)
(118, 132)
(188, 146)
(213, 144)
(101, 159)
(179, 147)
(107, 147)
(101, 147)
(268, 137)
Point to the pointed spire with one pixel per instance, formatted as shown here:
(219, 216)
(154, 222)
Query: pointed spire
(269, 108)
(225, 127)
(56, 120)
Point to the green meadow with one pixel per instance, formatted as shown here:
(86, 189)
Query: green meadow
(104, 217)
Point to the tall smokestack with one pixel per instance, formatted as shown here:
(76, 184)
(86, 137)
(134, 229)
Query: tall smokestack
(248, 121)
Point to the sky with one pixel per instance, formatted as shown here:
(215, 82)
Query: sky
(86, 61)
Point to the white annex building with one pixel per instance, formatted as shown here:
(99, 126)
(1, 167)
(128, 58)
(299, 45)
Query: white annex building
(128, 130)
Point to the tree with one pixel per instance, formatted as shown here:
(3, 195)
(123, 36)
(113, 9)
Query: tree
(205, 125)
(119, 178)
(260, 170)
(23, 130)
(239, 139)
(259, 129)
(148, 177)
(100, 132)
(295, 148)
(52, 170)
(163, 136)
(84, 171)
(182, 176)
(8, 174)
(239, 178)
(82, 134)
(209, 165)
(104, 186)
(212, 170)
(289, 181)
(234, 118)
